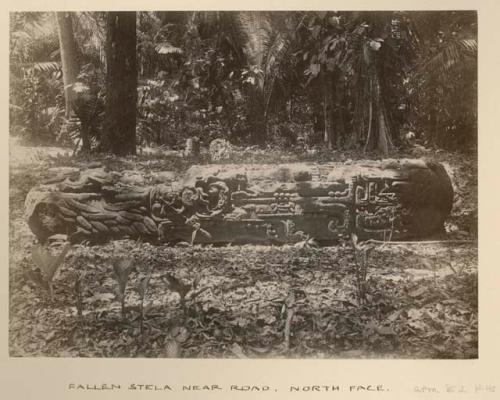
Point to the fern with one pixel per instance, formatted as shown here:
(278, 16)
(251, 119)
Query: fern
(278, 51)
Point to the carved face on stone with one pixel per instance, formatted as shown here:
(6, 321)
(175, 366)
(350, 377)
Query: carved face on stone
(188, 197)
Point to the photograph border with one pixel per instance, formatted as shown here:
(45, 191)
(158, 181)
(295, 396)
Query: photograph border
(27, 378)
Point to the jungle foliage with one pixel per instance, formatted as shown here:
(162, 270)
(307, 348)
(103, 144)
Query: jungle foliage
(344, 80)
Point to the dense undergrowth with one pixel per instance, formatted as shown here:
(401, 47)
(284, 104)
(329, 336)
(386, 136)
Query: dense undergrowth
(412, 300)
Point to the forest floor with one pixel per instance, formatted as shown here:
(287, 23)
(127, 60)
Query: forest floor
(418, 300)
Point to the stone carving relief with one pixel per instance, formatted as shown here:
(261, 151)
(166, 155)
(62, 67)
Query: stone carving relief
(387, 200)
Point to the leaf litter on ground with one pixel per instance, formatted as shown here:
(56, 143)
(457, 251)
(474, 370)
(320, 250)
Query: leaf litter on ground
(414, 309)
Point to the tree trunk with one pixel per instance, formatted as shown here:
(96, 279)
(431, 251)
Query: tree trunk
(384, 142)
(121, 83)
(370, 120)
(433, 123)
(339, 111)
(256, 115)
(378, 133)
(328, 110)
(69, 60)
(384, 137)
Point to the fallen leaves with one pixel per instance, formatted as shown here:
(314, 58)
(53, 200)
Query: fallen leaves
(412, 309)
(241, 307)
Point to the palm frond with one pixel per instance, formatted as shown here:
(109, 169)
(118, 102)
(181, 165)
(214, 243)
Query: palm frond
(277, 51)
(469, 46)
(256, 28)
(267, 46)
(33, 37)
(47, 67)
(456, 53)
(167, 48)
(90, 30)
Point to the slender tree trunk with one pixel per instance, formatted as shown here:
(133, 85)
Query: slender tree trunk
(318, 121)
(433, 124)
(121, 83)
(370, 119)
(258, 121)
(384, 142)
(359, 118)
(69, 59)
(339, 111)
(85, 135)
(384, 139)
(328, 110)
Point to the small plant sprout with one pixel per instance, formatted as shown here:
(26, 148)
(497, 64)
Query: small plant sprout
(186, 291)
(122, 269)
(47, 267)
(289, 308)
(77, 287)
(176, 285)
(143, 290)
(360, 268)
(176, 337)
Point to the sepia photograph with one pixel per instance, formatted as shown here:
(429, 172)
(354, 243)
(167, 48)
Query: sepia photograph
(243, 184)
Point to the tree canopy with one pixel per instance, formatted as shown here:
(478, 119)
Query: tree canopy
(344, 80)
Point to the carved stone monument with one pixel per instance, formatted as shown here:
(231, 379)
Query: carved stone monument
(387, 200)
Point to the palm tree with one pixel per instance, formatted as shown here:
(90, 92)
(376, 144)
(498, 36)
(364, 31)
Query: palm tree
(339, 55)
(69, 60)
(373, 122)
(34, 101)
(33, 42)
(268, 40)
(444, 78)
